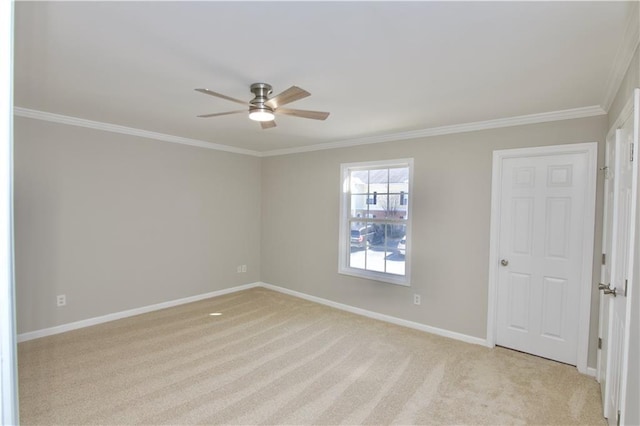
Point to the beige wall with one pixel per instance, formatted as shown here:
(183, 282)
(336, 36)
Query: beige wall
(118, 222)
(451, 210)
(630, 81)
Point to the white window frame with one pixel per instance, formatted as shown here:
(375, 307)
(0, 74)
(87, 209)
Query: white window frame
(344, 248)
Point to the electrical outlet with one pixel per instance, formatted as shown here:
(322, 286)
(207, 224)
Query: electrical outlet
(61, 300)
(416, 299)
(239, 269)
(244, 268)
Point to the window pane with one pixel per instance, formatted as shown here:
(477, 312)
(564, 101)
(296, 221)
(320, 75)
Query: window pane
(403, 210)
(357, 258)
(359, 181)
(398, 187)
(380, 188)
(397, 230)
(394, 247)
(379, 177)
(399, 174)
(362, 234)
(393, 207)
(395, 263)
(359, 207)
(359, 241)
(376, 258)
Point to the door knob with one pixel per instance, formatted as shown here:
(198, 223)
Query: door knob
(611, 291)
(602, 286)
(504, 262)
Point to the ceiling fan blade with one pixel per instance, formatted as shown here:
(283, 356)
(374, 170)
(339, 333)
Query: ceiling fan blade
(293, 93)
(267, 124)
(218, 95)
(217, 114)
(315, 115)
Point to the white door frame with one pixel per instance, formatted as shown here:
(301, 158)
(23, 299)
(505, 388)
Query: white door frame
(605, 271)
(8, 357)
(591, 150)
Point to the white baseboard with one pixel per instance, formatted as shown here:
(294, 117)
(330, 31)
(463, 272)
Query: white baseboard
(590, 371)
(129, 313)
(143, 310)
(381, 317)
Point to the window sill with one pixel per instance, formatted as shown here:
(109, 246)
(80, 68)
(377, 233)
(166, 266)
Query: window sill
(377, 276)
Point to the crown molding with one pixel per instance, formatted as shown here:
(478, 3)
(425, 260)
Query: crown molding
(97, 125)
(567, 114)
(623, 57)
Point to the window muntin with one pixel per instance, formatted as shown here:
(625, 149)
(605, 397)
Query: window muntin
(375, 218)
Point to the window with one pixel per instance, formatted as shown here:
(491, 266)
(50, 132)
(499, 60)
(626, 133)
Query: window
(375, 220)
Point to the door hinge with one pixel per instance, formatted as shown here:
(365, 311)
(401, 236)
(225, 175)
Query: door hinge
(599, 342)
(626, 284)
(604, 259)
(632, 151)
(618, 418)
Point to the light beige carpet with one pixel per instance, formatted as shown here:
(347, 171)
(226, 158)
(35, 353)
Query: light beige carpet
(274, 359)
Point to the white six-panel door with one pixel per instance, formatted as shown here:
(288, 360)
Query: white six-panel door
(623, 233)
(545, 203)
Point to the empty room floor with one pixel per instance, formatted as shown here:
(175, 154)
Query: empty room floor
(269, 358)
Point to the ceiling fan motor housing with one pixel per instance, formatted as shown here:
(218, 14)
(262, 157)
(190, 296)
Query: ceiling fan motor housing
(262, 92)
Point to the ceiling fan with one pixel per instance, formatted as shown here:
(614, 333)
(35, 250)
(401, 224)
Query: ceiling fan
(262, 108)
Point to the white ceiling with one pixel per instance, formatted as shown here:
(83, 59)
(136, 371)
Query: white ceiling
(380, 68)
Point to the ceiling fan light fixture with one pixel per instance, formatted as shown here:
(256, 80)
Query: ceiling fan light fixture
(261, 115)
(262, 108)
